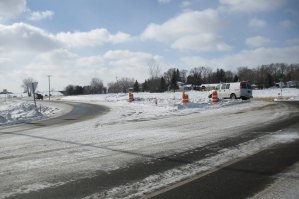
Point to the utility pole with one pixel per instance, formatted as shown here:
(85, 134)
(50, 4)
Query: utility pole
(34, 85)
(49, 85)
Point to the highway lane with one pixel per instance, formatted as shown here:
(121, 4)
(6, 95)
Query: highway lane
(244, 178)
(137, 171)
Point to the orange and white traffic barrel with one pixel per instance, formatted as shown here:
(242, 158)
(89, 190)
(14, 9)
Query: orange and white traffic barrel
(131, 97)
(185, 97)
(215, 96)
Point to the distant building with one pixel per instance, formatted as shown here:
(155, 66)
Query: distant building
(187, 87)
(208, 87)
(293, 84)
(254, 86)
(280, 85)
(5, 92)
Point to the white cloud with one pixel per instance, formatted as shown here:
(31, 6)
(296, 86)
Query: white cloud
(24, 37)
(190, 30)
(257, 23)
(258, 41)
(28, 51)
(205, 43)
(250, 5)
(70, 68)
(251, 58)
(96, 37)
(37, 16)
(286, 23)
(11, 8)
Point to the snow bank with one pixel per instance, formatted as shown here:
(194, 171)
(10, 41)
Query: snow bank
(24, 112)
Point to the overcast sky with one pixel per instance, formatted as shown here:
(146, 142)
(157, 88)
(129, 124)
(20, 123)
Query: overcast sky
(76, 40)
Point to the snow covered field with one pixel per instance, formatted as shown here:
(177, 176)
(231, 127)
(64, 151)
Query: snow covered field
(289, 93)
(152, 126)
(145, 107)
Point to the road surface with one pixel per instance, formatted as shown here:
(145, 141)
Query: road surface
(69, 179)
(244, 178)
(73, 112)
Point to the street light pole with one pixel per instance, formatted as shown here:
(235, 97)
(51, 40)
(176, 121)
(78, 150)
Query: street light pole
(49, 85)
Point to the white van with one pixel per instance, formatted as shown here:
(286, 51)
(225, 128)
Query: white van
(234, 90)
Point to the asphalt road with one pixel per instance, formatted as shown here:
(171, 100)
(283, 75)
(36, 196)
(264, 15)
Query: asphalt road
(77, 112)
(238, 180)
(244, 178)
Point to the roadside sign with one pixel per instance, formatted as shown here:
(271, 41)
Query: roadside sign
(32, 86)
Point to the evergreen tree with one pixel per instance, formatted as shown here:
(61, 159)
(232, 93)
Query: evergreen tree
(173, 82)
(136, 86)
(236, 78)
(178, 75)
(145, 86)
(163, 86)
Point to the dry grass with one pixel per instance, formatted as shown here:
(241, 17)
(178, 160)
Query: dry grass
(265, 99)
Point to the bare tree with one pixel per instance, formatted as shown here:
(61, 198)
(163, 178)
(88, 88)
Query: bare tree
(167, 75)
(122, 85)
(126, 83)
(154, 69)
(184, 75)
(96, 86)
(27, 81)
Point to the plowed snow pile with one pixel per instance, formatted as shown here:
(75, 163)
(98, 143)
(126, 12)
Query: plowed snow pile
(24, 112)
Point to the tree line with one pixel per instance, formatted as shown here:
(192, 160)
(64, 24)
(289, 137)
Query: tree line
(263, 76)
(96, 86)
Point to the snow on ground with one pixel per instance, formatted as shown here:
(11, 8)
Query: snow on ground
(149, 106)
(146, 106)
(14, 112)
(276, 92)
(51, 156)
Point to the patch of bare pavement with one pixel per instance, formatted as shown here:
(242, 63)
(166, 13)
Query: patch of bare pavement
(72, 112)
(242, 179)
(238, 180)
(245, 178)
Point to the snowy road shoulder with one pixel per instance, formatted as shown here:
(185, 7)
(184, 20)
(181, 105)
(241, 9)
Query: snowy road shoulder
(170, 177)
(16, 112)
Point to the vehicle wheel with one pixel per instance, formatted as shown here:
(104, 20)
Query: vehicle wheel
(244, 98)
(233, 96)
